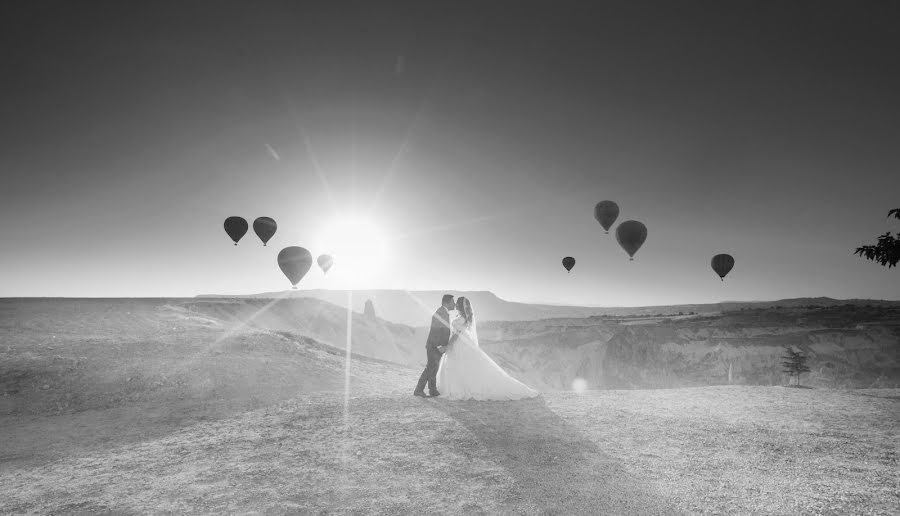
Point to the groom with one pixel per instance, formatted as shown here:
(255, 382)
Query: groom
(438, 337)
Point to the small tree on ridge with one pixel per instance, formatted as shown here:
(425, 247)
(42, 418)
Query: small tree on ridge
(794, 363)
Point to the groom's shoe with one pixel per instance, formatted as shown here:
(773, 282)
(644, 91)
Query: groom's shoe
(434, 394)
(420, 394)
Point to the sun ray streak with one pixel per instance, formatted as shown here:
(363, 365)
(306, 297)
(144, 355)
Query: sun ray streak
(448, 227)
(347, 356)
(315, 163)
(353, 170)
(310, 152)
(391, 169)
(437, 79)
(425, 309)
(234, 330)
(402, 149)
(345, 434)
(272, 152)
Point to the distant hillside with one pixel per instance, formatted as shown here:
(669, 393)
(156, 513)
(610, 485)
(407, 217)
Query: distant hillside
(173, 359)
(321, 321)
(414, 308)
(849, 346)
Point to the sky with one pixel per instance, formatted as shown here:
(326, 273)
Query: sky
(473, 138)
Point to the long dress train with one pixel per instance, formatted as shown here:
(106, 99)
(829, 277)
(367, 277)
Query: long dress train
(466, 372)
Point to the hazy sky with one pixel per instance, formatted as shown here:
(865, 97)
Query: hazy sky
(476, 136)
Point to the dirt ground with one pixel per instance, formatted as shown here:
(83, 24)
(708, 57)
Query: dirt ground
(122, 416)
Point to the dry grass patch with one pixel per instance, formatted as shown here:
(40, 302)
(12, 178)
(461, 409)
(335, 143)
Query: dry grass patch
(760, 450)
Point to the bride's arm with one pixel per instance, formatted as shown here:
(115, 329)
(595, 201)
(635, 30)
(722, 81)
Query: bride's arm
(456, 329)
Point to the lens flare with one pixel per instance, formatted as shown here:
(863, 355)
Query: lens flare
(579, 385)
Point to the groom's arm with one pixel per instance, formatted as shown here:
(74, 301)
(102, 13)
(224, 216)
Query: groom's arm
(446, 337)
(440, 332)
(453, 334)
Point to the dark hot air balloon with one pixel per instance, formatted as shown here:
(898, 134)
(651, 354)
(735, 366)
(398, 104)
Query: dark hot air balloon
(236, 227)
(295, 263)
(722, 264)
(631, 235)
(265, 228)
(325, 262)
(568, 263)
(606, 212)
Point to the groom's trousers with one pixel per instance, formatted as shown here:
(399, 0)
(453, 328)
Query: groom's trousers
(429, 375)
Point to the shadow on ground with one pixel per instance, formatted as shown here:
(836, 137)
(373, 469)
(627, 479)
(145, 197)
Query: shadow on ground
(555, 467)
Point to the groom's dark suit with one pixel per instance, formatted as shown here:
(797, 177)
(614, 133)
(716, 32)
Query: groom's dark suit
(439, 335)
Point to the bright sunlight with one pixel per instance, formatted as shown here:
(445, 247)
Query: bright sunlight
(356, 244)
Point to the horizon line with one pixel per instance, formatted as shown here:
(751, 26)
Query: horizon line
(267, 295)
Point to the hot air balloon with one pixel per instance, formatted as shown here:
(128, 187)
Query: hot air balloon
(606, 212)
(236, 227)
(325, 262)
(631, 235)
(295, 263)
(264, 227)
(722, 264)
(568, 262)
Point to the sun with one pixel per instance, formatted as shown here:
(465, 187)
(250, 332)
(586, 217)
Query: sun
(357, 245)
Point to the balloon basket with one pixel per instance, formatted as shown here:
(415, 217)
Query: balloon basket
(293, 288)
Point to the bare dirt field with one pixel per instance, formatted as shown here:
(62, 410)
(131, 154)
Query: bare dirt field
(140, 407)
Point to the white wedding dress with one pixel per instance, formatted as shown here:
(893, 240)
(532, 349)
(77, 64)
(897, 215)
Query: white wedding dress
(468, 373)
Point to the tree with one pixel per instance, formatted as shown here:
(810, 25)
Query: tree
(794, 363)
(887, 250)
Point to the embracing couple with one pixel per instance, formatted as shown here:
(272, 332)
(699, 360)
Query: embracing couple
(457, 367)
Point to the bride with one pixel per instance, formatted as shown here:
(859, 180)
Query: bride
(468, 373)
